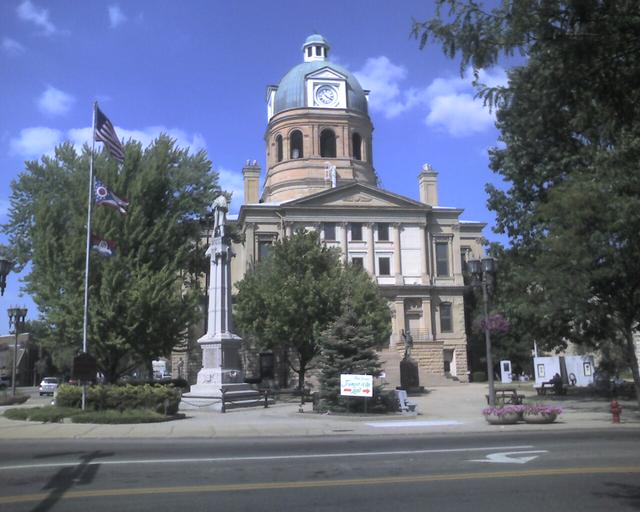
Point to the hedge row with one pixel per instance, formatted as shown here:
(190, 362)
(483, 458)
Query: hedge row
(158, 398)
(54, 414)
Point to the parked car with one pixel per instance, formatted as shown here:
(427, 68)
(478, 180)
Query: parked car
(49, 385)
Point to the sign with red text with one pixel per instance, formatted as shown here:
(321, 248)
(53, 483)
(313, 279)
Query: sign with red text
(356, 385)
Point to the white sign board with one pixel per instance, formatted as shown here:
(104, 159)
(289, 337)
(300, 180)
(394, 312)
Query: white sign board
(356, 385)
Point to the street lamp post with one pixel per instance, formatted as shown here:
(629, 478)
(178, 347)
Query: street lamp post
(5, 268)
(16, 318)
(482, 273)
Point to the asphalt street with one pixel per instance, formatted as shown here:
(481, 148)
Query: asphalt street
(565, 471)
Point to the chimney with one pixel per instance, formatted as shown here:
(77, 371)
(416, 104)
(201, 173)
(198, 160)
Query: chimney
(251, 174)
(428, 184)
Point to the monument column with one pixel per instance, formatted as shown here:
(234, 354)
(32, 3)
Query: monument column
(221, 363)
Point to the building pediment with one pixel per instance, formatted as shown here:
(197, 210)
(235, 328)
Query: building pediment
(356, 195)
(326, 74)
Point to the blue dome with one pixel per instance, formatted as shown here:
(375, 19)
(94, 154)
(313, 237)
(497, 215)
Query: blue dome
(316, 39)
(291, 90)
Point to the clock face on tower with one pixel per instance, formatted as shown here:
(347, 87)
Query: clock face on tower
(326, 96)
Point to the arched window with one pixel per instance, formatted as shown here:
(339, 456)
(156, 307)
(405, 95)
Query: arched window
(328, 144)
(356, 146)
(279, 148)
(295, 142)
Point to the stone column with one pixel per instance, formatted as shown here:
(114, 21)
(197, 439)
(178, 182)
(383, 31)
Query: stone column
(344, 244)
(371, 253)
(456, 260)
(399, 327)
(288, 229)
(424, 273)
(427, 316)
(397, 253)
(249, 245)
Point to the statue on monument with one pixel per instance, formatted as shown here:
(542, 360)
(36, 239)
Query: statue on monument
(408, 343)
(220, 208)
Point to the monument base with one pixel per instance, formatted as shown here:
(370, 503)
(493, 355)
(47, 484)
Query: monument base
(208, 397)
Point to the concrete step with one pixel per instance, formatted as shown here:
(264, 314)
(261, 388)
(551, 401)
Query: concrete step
(390, 361)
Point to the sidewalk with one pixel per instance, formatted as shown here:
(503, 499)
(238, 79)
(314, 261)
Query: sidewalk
(447, 409)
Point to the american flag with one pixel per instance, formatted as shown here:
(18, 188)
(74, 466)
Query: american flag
(107, 134)
(104, 197)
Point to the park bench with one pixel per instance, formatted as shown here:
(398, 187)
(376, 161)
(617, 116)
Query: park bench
(550, 385)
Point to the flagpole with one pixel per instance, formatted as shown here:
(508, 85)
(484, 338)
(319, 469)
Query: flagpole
(85, 321)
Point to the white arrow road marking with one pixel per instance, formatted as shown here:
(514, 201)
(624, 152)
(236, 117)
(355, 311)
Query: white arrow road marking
(504, 457)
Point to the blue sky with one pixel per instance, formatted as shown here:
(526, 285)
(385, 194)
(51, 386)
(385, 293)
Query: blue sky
(198, 70)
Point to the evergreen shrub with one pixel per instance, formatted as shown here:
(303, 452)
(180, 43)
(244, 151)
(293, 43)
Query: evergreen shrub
(120, 398)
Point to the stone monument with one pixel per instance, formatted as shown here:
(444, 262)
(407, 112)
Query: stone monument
(409, 378)
(221, 362)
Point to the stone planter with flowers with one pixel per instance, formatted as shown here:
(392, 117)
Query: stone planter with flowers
(503, 415)
(540, 413)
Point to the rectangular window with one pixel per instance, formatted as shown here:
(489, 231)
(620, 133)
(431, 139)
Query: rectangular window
(446, 322)
(356, 231)
(264, 249)
(384, 266)
(383, 231)
(442, 259)
(329, 229)
(357, 262)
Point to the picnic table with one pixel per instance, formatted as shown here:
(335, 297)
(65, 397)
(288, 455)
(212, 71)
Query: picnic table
(508, 396)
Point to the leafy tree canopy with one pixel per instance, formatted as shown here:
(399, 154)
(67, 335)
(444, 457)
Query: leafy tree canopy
(292, 297)
(569, 123)
(138, 307)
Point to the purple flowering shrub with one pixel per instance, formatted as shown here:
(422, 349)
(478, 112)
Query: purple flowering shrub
(542, 409)
(501, 410)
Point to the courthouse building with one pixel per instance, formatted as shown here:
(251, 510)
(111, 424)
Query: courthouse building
(320, 176)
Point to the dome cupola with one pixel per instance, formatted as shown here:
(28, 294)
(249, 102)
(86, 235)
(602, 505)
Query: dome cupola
(319, 131)
(315, 48)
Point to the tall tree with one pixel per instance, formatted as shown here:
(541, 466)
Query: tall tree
(289, 299)
(348, 347)
(138, 306)
(569, 122)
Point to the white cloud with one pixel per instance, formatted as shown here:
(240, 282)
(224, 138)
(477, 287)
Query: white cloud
(54, 101)
(146, 136)
(381, 77)
(449, 101)
(34, 142)
(40, 141)
(30, 12)
(458, 115)
(116, 16)
(12, 47)
(232, 181)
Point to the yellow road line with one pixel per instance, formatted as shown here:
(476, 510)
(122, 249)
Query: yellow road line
(187, 489)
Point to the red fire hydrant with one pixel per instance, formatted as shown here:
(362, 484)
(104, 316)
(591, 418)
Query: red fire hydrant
(615, 411)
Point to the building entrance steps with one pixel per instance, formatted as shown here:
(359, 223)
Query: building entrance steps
(390, 361)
